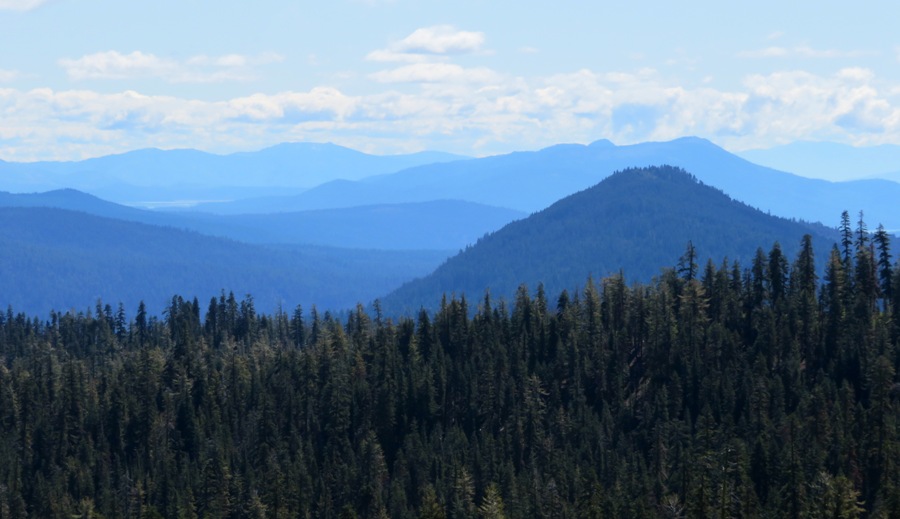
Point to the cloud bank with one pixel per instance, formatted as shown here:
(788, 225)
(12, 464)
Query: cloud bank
(137, 65)
(21, 5)
(429, 44)
(8, 76)
(802, 51)
(432, 90)
(492, 114)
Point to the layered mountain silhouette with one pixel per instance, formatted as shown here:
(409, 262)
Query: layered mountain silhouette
(54, 259)
(306, 176)
(75, 200)
(531, 181)
(445, 225)
(154, 175)
(633, 222)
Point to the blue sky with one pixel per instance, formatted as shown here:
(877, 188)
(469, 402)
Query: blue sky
(82, 78)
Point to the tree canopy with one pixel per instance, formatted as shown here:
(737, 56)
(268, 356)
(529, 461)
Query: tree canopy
(722, 390)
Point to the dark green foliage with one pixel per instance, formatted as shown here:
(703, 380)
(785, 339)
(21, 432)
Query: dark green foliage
(720, 392)
(883, 245)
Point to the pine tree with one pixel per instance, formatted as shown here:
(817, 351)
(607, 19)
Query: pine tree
(883, 244)
(778, 274)
(846, 240)
(492, 504)
(687, 264)
(431, 508)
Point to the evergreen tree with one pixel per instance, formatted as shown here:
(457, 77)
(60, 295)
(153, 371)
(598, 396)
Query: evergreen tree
(883, 245)
(738, 393)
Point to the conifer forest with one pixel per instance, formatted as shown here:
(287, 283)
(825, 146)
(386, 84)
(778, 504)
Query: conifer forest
(716, 390)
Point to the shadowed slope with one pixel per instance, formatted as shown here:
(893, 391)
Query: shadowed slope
(634, 221)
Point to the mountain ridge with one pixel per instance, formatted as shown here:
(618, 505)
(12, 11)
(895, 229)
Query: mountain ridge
(433, 225)
(56, 259)
(631, 222)
(122, 176)
(532, 180)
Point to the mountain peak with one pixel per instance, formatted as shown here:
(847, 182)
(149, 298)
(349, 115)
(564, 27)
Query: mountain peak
(304, 145)
(676, 174)
(601, 144)
(661, 172)
(634, 221)
(563, 147)
(693, 140)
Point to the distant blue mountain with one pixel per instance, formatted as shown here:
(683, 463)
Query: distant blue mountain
(149, 174)
(54, 259)
(531, 181)
(831, 161)
(436, 225)
(74, 200)
(522, 181)
(446, 225)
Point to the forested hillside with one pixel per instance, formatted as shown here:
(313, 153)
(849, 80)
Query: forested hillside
(747, 390)
(636, 221)
(52, 259)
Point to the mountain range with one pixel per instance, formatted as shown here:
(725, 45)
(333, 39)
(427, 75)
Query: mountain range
(143, 177)
(440, 225)
(306, 176)
(332, 244)
(531, 181)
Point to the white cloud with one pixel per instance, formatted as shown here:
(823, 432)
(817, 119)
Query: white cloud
(441, 39)
(461, 109)
(802, 106)
(8, 76)
(427, 52)
(235, 60)
(768, 52)
(856, 74)
(197, 69)
(21, 5)
(114, 65)
(429, 43)
(318, 103)
(231, 60)
(386, 55)
(808, 52)
(79, 123)
(435, 73)
(802, 51)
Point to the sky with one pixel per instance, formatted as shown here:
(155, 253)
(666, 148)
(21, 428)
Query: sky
(84, 78)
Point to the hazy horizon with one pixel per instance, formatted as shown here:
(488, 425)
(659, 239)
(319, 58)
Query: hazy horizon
(89, 79)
